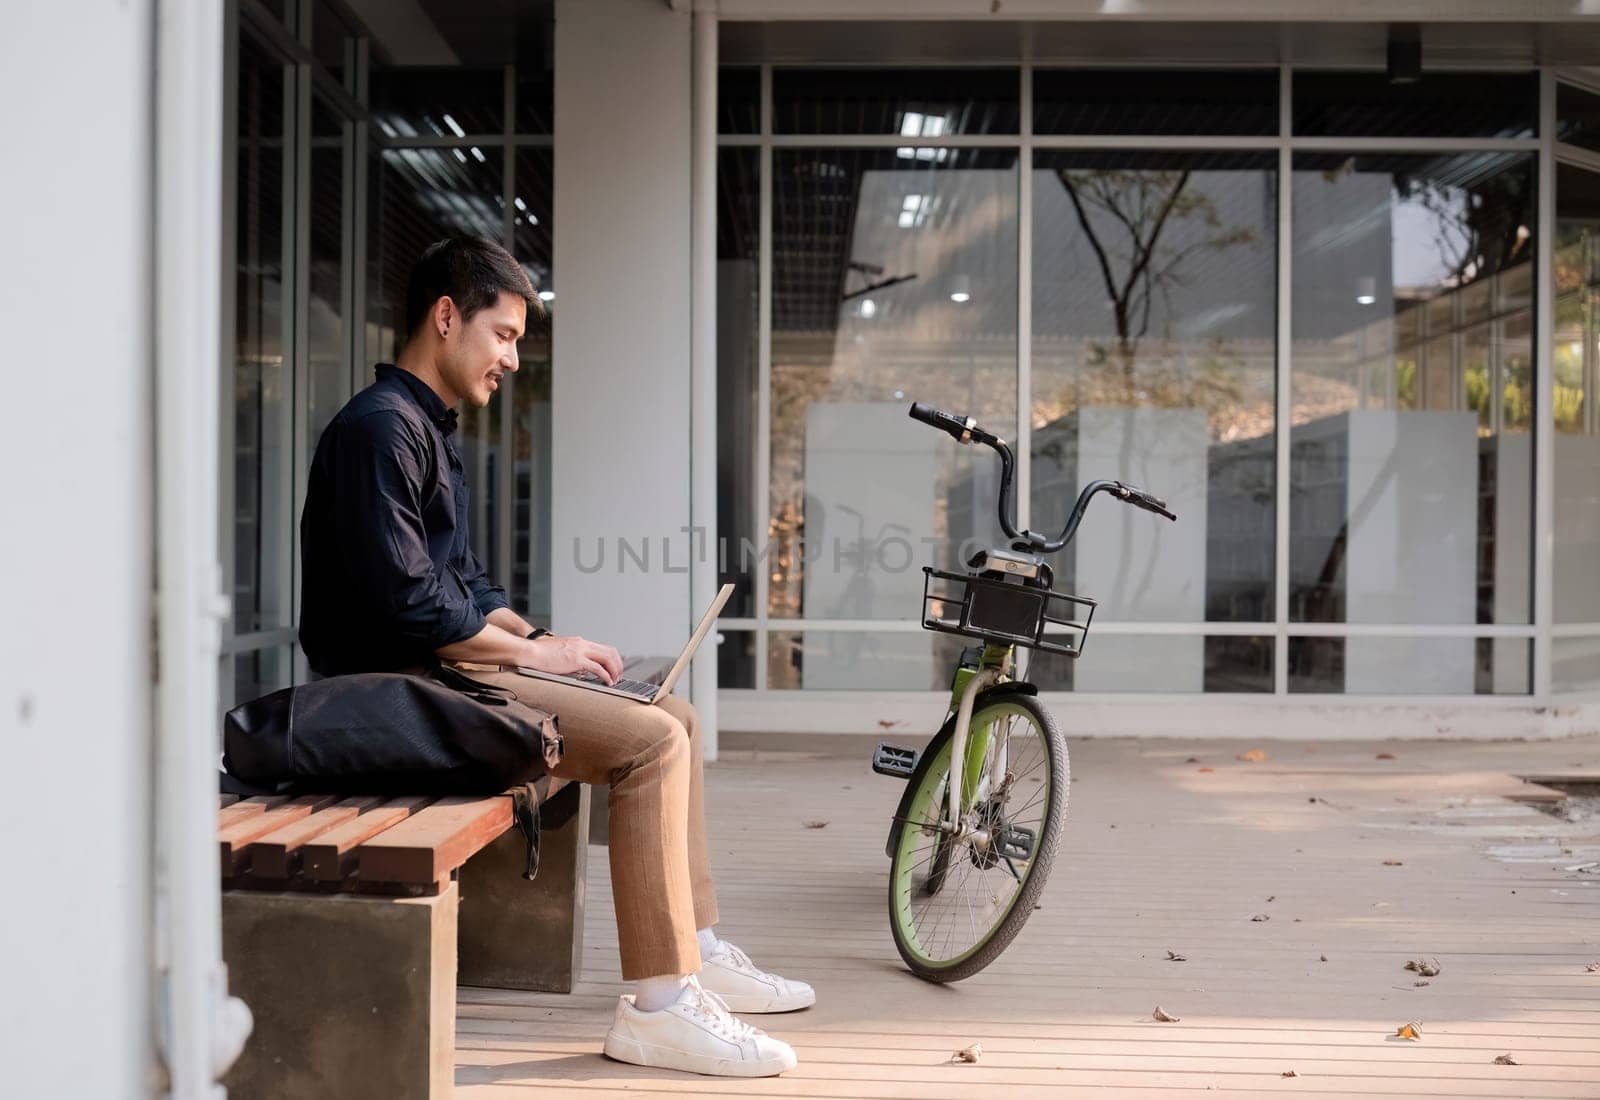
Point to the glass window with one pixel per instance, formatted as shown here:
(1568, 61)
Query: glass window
(1366, 104)
(530, 565)
(1577, 116)
(327, 339)
(1411, 455)
(332, 40)
(263, 383)
(857, 660)
(1164, 663)
(894, 281)
(1575, 362)
(1575, 664)
(738, 383)
(259, 673)
(427, 194)
(536, 75)
(913, 102)
(736, 659)
(1410, 666)
(738, 101)
(411, 102)
(1154, 320)
(1144, 101)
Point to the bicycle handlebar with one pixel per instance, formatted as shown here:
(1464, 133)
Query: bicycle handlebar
(964, 429)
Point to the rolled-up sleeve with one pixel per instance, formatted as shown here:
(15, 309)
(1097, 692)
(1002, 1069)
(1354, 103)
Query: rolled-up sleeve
(378, 520)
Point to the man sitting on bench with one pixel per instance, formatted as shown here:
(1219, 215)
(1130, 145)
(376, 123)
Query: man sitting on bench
(391, 584)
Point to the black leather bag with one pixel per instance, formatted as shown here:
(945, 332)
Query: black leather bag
(390, 733)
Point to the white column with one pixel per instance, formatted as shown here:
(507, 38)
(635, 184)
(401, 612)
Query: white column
(204, 1029)
(623, 424)
(703, 388)
(76, 656)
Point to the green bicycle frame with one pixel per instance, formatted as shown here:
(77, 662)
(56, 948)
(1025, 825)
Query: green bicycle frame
(996, 662)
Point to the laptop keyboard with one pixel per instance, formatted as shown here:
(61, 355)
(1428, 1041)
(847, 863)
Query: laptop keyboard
(632, 687)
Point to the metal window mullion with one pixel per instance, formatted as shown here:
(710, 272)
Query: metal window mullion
(297, 278)
(505, 477)
(227, 350)
(1544, 391)
(1283, 436)
(360, 144)
(1025, 303)
(763, 456)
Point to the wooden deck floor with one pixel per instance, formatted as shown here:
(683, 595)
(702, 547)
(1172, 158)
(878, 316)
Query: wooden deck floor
(1364, 862)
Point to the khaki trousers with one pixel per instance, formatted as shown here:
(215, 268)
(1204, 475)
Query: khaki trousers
(652, 758)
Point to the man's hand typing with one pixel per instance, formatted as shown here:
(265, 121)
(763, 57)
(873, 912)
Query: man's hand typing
(569, 655)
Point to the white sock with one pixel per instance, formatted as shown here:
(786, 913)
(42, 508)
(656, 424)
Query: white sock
(654, 994)
(708, 941)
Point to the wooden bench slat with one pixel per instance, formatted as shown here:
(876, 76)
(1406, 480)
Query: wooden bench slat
(331, 856)
(277, 854)
(248, 807)
(235, 840)
(430, 844)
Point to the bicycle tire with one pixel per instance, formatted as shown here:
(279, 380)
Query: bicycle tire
(1022, 905)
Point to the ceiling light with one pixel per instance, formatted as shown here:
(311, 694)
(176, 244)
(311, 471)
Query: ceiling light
(961, 289)
(1366, 290)
(869, 308)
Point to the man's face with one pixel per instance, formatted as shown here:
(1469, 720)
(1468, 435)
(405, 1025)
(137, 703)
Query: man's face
(479, 351)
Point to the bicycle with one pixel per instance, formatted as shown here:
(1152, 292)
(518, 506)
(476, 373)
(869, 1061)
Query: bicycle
(953, 845)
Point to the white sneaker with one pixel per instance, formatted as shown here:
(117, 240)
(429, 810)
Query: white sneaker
(745, 987)
(698, 1034)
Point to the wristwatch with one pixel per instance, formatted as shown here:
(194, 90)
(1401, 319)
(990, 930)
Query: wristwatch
(537, 633)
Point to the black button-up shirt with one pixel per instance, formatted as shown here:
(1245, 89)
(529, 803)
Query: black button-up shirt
(388, 573)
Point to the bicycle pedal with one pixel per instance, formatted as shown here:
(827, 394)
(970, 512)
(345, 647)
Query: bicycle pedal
(894, 761)
(1015, 842)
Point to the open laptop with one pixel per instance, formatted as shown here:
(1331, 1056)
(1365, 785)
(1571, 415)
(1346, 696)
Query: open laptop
(642, 691)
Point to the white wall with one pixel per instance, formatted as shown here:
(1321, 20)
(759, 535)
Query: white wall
(622, 329)
(75, 657)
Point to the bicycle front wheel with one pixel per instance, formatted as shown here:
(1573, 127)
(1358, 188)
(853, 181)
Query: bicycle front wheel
(954, 906)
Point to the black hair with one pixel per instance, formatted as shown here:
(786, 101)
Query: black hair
(472, 272)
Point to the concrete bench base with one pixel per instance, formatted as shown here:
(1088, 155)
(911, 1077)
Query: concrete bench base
(517, 934)
(354, 997)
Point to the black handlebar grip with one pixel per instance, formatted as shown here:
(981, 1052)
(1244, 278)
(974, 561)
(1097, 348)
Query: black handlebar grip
(955, 426)
(1148, 501)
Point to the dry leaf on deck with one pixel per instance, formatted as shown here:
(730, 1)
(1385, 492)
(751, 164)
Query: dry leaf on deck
(1593, 968)
(1253, 756)
(1324, 958)
(968, 1055)
(1393, 863)
(1419, 985)
(816, 824)
(1506, 1060)
(1386, 756)
(1260, 917)
(1426, 967)
(1288, 1073)
(1412, 1031)
(1173, 956)
(1207, 770)
(1161, 1014)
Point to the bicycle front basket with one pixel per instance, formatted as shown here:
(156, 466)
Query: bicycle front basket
(1004, 611)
